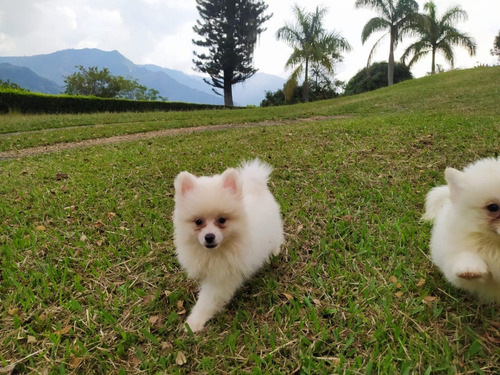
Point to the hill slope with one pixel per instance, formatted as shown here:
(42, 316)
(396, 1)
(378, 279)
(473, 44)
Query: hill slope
(469, 92)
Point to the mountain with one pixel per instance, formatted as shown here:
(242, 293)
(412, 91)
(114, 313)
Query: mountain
(173, 84)
(28, 79)
(55, 66)
(193, 81)
(252, 91)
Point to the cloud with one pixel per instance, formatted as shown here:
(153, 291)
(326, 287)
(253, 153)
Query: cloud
(169, 52)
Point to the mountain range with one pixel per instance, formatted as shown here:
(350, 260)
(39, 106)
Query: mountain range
(45, 73)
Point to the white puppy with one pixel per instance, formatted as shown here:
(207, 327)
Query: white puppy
(225, 228)
(465, 241)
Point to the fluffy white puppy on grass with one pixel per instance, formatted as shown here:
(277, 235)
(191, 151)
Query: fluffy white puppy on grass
(225, 228)
(465, 241)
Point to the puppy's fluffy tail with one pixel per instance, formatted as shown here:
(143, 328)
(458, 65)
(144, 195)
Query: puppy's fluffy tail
(435, 199)
(254, 175)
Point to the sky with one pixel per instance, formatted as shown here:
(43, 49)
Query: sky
(160, 31)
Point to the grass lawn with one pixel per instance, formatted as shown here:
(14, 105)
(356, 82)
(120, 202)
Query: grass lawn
(89, 281)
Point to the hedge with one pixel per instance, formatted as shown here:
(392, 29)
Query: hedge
(12, 101)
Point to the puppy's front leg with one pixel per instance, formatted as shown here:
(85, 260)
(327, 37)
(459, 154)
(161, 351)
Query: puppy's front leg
(211, 300)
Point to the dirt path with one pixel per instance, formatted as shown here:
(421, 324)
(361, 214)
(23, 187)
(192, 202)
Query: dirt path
(46, 130)
(148, 135)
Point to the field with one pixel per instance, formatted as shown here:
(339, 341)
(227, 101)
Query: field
(89, 281)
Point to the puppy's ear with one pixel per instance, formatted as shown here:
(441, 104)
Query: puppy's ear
(184, 182)
(455, 180)
(231, 181)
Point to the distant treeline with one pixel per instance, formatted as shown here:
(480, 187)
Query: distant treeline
(12, 100)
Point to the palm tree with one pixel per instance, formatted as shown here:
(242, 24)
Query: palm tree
(311, 44)
(439, 35)
(397, 18)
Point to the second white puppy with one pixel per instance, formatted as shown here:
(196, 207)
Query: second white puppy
(465, 241)
(225, 228)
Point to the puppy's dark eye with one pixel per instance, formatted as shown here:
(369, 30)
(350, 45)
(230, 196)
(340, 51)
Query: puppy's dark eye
(221, 220)
(198, 222)
(493, 207)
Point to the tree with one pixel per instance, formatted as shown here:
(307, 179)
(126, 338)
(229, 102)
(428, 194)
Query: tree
(439, 35)
(496, 46)
(131, 89)
(398, 19)
(229, 29)
(323, 85)
(91, 82)
(375, 77)
(101, 83)
(311, 44)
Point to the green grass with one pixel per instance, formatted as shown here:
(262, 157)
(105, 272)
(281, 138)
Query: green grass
(427, 95)
(89, 282)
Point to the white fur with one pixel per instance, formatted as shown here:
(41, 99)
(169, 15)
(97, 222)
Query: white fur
(465, 241)
(252, 232)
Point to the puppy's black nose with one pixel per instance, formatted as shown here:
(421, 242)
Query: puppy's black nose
(210, 237)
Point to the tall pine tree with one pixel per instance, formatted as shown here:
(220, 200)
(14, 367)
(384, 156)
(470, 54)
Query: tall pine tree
(229, 29)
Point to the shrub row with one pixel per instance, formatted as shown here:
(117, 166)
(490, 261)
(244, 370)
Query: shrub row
(16, 101)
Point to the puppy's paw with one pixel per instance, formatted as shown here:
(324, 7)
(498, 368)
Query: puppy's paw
(277, 250)
(473, 272)
(471, 275)
(196, 325)
(470, 267)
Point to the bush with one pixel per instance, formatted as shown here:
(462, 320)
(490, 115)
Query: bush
(16, 101)
(278, 97)
(376, 78)
(8, 85)
(316, 92)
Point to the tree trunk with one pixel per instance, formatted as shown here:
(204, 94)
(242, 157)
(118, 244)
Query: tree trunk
(228, 89)
(305, 86)
(433, 68)
(390, 70)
